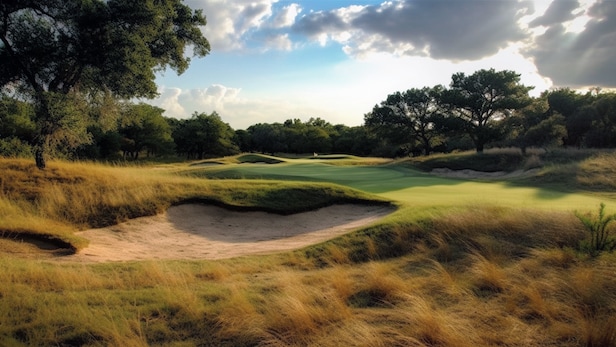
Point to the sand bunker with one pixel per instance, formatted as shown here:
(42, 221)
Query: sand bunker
(195, 231)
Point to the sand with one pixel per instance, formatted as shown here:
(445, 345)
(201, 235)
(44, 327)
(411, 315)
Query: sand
(194, 231)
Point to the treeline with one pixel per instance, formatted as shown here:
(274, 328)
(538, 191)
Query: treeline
(112, 131)
(488, 108)
(492, 108)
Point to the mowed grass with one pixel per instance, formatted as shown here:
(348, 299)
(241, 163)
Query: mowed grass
(440, 271)
(403, 184)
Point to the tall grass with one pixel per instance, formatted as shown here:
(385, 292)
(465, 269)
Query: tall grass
(473, 275)
(545, 295)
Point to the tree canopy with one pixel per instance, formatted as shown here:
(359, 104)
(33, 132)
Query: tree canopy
(482, 99)
(409, 117)
(55, 48)
(430, 119)
(204, 135)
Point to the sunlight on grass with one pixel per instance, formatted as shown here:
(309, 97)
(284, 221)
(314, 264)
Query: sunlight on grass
(409, 186)
(460, 263)
(492, 193)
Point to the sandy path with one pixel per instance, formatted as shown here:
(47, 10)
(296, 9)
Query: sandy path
(207, 232)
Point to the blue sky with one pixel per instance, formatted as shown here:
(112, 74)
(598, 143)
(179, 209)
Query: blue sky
(276, 60)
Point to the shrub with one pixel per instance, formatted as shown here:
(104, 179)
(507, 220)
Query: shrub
(597, 225)
(13, 147)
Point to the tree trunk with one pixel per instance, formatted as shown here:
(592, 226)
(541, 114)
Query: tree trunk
(480, 147)
(427, 147)
(39, 157)
(44, 131)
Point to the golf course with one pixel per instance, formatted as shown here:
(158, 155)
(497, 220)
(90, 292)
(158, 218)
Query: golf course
(329, 250)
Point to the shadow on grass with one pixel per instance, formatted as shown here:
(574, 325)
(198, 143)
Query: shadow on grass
(392, 179)
(371, 179)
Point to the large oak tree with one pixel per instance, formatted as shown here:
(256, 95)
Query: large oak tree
(408, 117)
(57, 51)
(481, 100)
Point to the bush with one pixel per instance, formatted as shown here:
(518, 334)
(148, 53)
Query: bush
(13, 147)
(599, 238)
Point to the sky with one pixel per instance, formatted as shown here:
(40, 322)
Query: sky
(273, 60)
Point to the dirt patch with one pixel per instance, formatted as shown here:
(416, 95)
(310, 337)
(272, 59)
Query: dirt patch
(194, 231)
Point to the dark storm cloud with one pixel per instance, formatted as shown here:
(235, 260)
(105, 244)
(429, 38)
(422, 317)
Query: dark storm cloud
(558, 12)
(442, 29)
(580, 59)
(449, 29)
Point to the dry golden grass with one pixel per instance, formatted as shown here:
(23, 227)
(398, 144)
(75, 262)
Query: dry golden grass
(463, 276)
(597, 172)
(543, 298)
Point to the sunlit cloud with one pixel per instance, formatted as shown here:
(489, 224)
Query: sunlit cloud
(338, 61)
(286, 17)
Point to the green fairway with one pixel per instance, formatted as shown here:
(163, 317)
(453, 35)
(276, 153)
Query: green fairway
(410, 186)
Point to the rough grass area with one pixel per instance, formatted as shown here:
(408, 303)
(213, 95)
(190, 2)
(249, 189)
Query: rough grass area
(449, 268)
(488, 161)
(466, 277)
(564, 169)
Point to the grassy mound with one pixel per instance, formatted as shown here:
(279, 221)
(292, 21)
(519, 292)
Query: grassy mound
(563, 169)
(489, 161)
(258, 158)
(51, 205)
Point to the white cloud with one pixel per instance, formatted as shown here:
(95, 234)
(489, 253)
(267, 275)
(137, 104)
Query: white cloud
(169, 100)
(242, 112)
(279, 42)
(215, 97)
(346, 92)
(286, 17)
(180, 103)
(229, 21)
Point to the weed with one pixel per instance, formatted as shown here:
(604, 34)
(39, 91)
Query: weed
(599, 238)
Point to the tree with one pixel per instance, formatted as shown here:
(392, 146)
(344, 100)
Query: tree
(16, 127)
(355, 140)
(203, 135)
(143, 128)
(242, 140)
(534, 125)
(389, 122)
(268, 138)
(483, 99)
(15, 119)
(578, 118)
(603, 118)
(55, 51)
(409, 117)
(313, 136)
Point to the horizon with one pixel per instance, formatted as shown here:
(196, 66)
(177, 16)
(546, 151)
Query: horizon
(277, 60)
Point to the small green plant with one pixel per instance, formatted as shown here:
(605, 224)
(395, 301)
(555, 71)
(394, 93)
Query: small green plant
(597, 225)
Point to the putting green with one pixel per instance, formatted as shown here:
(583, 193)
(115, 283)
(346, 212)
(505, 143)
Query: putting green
(414, 187)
